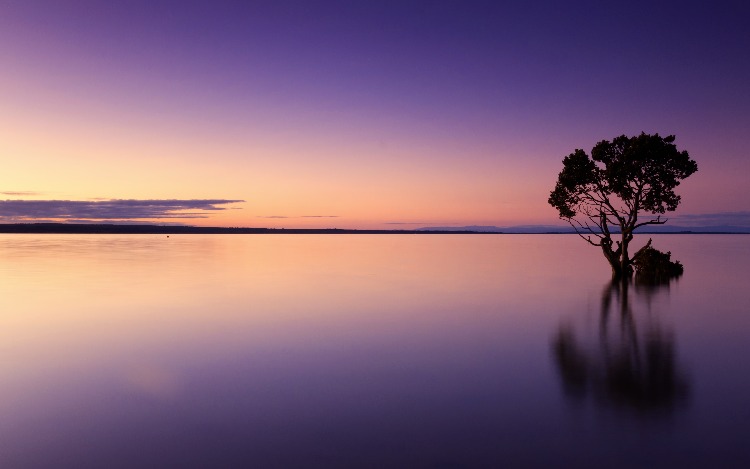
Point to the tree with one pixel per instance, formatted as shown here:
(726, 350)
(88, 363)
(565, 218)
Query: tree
(609, 190)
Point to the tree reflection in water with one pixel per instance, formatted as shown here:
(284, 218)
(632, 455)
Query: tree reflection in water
(629, 366)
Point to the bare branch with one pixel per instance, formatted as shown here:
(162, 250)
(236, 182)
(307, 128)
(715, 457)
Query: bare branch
(585, 238)
(581, 228)
(614, 211)
(657, 221)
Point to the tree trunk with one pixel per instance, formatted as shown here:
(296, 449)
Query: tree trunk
(617, 271)
(614, 260)
(624, 259)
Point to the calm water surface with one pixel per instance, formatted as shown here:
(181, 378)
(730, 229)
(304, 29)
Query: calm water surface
(369, 351)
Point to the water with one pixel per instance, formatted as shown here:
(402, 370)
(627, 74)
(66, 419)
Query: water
(368, 351)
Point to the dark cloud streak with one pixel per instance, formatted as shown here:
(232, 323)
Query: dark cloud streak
(420, 223)
(303, 216)
(20, 193)
(115, 209)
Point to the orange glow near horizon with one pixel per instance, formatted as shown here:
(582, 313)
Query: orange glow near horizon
(297, 188)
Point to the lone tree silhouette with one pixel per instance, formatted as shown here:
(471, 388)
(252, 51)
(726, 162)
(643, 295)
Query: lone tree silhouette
(610, 189)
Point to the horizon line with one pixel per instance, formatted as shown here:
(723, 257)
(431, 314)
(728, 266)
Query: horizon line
(153, 228)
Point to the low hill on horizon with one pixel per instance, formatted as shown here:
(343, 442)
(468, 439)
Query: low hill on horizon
(539, 229)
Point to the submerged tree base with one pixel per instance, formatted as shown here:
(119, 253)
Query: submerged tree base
(654, 267)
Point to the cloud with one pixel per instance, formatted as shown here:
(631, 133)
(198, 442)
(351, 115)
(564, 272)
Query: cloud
(303, 216)
(20, 193)
(420, 223)
(109, 210)
(740, 218)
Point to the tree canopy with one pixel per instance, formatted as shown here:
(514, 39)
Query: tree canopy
(610, 190)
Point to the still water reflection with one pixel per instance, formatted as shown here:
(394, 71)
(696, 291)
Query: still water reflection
(631, 364)
(368, 351)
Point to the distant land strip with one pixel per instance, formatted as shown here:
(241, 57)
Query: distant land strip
(105, 228)
(84, 228)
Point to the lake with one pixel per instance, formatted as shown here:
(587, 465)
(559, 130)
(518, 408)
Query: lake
(420, 351)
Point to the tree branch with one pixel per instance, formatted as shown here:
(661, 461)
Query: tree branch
(657, 221)
(573, 222)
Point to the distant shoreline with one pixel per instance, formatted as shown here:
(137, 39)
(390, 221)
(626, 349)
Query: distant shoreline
(64, 228)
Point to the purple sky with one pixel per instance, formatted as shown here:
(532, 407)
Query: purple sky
(366, 112)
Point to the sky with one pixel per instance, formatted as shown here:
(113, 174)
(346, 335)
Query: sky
(387, 114)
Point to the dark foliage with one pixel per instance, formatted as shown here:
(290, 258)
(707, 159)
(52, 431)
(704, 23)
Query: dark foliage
(655, 267)
(610, 190)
